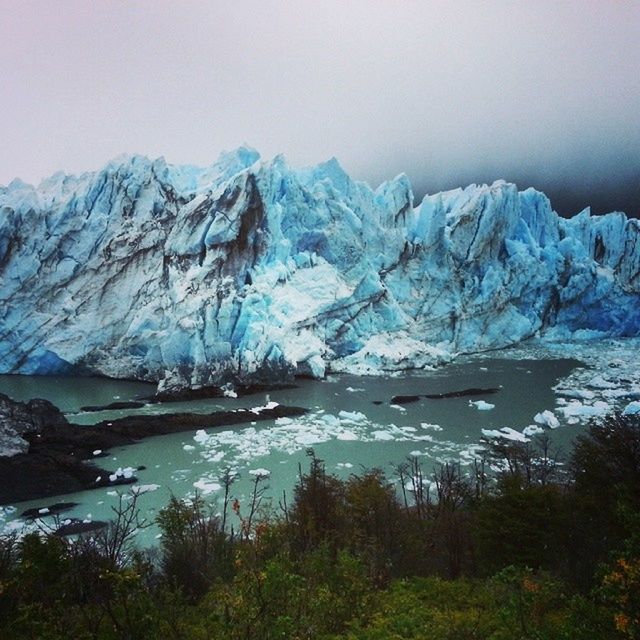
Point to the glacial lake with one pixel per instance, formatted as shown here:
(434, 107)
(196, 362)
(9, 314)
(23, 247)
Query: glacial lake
(344, 426)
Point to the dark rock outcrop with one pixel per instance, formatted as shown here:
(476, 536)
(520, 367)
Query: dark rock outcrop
(464, 393)
(53, 459)
(19, 419)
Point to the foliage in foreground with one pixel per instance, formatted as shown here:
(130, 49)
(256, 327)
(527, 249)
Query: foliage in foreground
(534, 552)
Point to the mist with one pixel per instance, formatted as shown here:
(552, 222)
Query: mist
(545, 94)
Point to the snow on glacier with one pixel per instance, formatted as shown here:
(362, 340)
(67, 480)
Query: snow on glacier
(249, 270)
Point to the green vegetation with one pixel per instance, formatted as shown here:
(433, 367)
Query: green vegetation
(535, 550)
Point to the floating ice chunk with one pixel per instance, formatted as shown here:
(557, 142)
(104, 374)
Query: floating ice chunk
(347, 435)
(260, 472)
(415, 453)
(307, 439)
(484, 368)
(547, 418)
(330, 420)
(383, 435)
(600, 382)
(229, 393)
(207, 486)
(432, 427)
(506, 432)
(632, 408)
(188, 447)
(201, 436)
(127, 472)
(97, 452)
(113, 477)
(580, 394)
(270, 405)
(43, 511)
(481, 405)
(399, 407)
(15, 525)
(352, 416)
(532, 430)
(144, 488)
(577, 409)
(216, 456)
(354, 389)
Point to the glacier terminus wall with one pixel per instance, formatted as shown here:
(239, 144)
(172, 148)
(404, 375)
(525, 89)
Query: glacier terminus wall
(251, 271)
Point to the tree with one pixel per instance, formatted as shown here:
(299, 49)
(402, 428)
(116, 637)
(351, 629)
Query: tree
(195, 549)
(605, 467)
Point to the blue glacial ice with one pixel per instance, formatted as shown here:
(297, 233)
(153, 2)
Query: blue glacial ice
(250, 270)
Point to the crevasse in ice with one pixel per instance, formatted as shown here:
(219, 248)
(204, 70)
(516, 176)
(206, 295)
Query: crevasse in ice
(250, 270)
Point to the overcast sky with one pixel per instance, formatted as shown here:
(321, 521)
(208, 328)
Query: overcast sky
(542, 93)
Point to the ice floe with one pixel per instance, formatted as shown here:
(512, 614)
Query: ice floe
(482, 405)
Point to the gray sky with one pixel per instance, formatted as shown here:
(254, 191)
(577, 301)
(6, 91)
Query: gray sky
(542, 93)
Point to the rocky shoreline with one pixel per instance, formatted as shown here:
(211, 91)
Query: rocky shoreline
(45, 455)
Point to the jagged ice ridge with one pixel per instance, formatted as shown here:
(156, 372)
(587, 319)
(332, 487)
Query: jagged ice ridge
(249, 271)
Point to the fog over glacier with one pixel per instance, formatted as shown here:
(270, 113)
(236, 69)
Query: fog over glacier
(540, 93)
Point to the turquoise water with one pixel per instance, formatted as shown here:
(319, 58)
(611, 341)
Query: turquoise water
(368, 435)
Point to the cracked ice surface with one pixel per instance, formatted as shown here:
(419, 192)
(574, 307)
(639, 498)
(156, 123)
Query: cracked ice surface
(251, 270)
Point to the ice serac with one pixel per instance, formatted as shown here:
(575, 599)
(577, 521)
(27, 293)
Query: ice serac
(249, 271)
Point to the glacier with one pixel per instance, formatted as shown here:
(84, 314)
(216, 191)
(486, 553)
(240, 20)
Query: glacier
(251, 271)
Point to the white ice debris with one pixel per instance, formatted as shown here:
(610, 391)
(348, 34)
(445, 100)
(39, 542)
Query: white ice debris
(144, 488)
(432, 427)
(347, 435)
(481, 405)
(633, 408)
(576, 409)
(505, 432)
(207, 486)
(201, 436)
(382, 435)
(532, 430)
(263, 473)
(352, 417)
(547, 418)
(126, 473)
